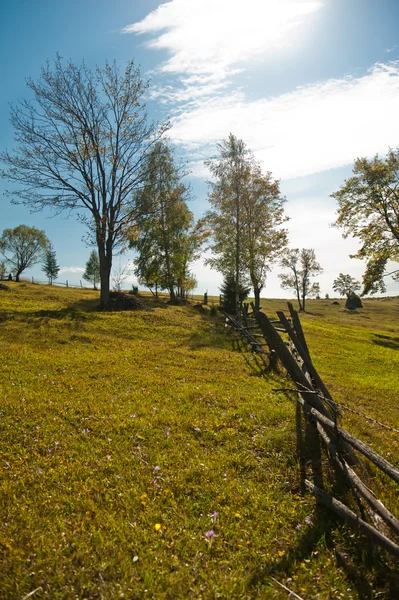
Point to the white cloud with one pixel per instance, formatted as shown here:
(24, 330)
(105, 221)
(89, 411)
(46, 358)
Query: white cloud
(312, 129)
(73, 270)
(211, 36)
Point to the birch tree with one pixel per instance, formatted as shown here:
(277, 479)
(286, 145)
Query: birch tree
(165, 238)
(245, 219)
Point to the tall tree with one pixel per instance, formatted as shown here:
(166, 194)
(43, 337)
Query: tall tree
(345, 285)
(164, 237)
(247, 212)
(231, 171)
(263, 238)
(50, 267)
(92, 271)
(368, 209)
(81, 144)
(302, 266)
(23, 247)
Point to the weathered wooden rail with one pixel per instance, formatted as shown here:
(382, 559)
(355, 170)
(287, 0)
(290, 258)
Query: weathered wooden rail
(321, 413)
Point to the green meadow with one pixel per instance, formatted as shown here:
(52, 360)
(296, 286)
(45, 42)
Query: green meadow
(143, 455)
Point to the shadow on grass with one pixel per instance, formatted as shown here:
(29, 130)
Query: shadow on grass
(387, 341)
(83, 310)
(258, 364)
(356, 562)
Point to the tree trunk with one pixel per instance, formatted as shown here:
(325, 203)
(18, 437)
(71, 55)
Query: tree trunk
(257, 291)
(172, 293)
(105, 273)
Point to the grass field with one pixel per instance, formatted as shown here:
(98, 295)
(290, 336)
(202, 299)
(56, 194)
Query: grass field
(142, 457)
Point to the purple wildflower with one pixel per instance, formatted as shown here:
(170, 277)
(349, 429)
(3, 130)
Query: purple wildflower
(209, 534)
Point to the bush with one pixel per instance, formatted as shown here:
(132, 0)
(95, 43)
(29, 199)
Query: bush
(214, 311)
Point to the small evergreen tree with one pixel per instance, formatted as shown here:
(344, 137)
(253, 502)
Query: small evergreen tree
(92, 272)
(228, 290)
(50, 267)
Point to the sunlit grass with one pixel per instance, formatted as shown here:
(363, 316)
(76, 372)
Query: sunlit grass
(142, 457)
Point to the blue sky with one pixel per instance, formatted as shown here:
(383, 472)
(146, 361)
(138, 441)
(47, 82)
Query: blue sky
(309, 85)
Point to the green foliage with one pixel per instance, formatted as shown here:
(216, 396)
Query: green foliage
(22, 247)
(368, 208)
(165, 239)
(247, 212)
(344, 285)
(92, 270)
(302, 266)
(50, 266)
(81, 145)
(228, 291)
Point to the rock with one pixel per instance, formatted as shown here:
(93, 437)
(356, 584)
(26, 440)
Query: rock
(4, 287)
(335, 302)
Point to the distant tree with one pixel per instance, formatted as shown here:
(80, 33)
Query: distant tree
(81, 144)
(302, 266)
(23, 247)
(368, 210)
(92, 271)
(345, 285)
(50, 267)
(247, 212)
(228, 291)
(119, 276)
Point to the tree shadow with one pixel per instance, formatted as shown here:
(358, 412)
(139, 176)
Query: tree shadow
(387, 341)
(355, 561)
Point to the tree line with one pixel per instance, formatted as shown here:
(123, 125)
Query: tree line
(85, 144)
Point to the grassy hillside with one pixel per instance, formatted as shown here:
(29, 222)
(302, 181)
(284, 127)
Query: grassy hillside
(141, 456)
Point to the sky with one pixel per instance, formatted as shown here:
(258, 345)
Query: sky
(308, 85)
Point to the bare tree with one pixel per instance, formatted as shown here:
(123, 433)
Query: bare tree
(302, 266)
(80, 145)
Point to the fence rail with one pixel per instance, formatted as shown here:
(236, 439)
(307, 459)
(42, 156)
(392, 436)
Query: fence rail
(321, 413)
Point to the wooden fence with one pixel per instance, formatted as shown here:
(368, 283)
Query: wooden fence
(283, 342)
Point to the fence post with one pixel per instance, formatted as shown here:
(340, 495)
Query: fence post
(81, 284)
(33, 281)
(67, 283)
(206, 298)
(220, 299)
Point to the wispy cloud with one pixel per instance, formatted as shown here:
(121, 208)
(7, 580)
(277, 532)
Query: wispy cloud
(312, 129)
(216, 37)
